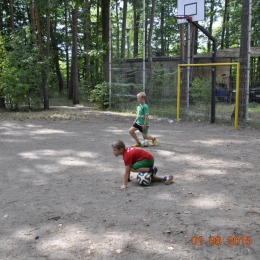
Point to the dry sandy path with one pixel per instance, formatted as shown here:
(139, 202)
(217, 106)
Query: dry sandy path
(59, 196)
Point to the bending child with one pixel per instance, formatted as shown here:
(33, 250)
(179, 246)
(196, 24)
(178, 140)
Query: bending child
(137, 160)
(142, 121)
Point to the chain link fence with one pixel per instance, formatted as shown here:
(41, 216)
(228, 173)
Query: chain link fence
(127, 81)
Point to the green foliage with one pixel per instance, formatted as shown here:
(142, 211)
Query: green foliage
(163, 84)
(121, 94)
(200, 90)
(2, 58)
(100, 95)
(84, 90)
(157, 82)
(21, 72)
(200, 93)
(25, 86)
(124, 94)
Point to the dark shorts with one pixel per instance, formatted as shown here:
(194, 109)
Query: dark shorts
(140, 128)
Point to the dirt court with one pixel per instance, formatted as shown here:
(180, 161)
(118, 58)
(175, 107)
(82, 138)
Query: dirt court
(59, 196)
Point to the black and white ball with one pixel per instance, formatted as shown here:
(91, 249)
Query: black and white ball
(144, 178)
(145, 143)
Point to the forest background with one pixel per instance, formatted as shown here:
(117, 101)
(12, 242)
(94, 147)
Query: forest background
(59, 47)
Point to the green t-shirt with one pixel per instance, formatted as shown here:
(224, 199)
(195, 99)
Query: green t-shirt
(142, 110)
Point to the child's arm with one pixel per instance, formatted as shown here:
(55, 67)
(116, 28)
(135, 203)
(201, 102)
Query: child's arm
(145, 121)
(135, 120)
(126, 177)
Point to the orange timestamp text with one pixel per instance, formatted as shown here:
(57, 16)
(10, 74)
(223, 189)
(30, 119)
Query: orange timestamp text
(217, 241)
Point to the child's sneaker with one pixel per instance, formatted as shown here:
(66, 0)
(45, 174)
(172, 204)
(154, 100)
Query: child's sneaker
(136, 145)
(168, 180)
(153, 171)
(154, 141)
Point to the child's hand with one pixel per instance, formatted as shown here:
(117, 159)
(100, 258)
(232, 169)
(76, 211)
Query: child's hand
(123, 187)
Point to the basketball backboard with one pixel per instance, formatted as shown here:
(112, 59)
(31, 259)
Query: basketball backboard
(193, 8)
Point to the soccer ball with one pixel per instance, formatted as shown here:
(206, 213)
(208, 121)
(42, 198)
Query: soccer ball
(145, 143)
(144, 178)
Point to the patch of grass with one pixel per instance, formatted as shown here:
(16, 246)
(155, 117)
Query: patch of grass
(61, 101)
(61, 108)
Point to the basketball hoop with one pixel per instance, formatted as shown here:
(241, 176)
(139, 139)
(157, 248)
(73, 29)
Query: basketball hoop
(183, 18)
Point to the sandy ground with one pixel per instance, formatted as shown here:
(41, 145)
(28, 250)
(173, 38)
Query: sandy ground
(59, 196)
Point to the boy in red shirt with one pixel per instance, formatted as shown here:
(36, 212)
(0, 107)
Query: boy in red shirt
(137, 160)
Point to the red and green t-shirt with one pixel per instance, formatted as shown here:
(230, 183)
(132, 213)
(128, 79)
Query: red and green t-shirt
(132, 155)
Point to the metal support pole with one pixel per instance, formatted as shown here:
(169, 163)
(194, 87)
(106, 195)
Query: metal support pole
(110, 61)
(248, 58)
(213, 86)
(188, 69)
(214, 53)
(144, 45)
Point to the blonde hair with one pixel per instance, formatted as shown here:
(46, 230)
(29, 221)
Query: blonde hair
(141, 94)
(118, 145)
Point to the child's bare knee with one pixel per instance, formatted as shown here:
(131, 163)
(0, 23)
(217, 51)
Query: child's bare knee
(132, 130)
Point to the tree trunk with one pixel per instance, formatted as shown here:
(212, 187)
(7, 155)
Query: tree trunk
(227, 37)
(193, 30)
(183, 59)
(12, 14)
(74, 72)
(86, 40)
(150, 55)
(48, 18)
(2, 100)
(124, 30)
(1, 18)
(244, 49)
(162, 30)
(105, 38)
(96, 61)
(136, 29)
(44, 77)
(2, 57)
(118, 22)
(69, 89)
(146, 31)
(58, 72)
(196, 40)
(56, 58)
(224, 25)
(212, 4)
(33, 23)
(46, 73)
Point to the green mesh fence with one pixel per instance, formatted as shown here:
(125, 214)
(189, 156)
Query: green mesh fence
(128, 81)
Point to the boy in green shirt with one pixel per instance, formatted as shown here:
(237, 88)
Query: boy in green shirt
(141, 121)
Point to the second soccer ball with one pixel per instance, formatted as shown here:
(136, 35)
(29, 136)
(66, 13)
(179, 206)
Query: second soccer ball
(145, 143)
